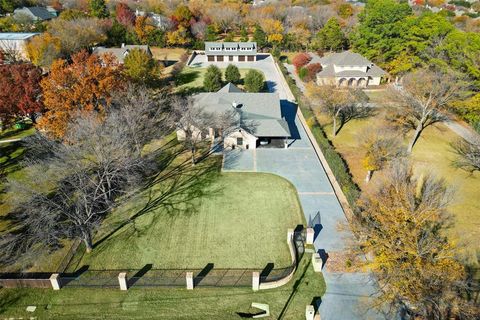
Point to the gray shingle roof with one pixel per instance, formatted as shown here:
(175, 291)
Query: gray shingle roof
(231, 48)
(120, 53)
(40, 12)
(346, 59)
(261, 110)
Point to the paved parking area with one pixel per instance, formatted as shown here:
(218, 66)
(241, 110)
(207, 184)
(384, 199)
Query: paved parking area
(347, 293)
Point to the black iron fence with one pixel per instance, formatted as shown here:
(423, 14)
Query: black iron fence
(209, 276)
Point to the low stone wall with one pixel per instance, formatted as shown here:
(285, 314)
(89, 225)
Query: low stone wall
(285, 280)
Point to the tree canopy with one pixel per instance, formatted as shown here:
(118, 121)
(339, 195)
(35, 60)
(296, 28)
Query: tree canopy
(254, 81)
(213, 79)
(85, 84)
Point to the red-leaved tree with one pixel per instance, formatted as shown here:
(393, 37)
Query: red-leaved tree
(125, 15)
(312, 70)
(301, 60)
(20, 91)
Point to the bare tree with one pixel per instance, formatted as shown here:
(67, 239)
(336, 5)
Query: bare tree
(380, 145)
(10, 53)
(342, 105)
(424, 95)
(225, 17)
(70, 187)
(468, 155)
(192, 122)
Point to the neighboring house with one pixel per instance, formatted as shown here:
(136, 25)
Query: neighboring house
(14, 43)
(231, 51)
(160, 21)
(36, 13)
(259, 117)
(348, 69)
(122, 52)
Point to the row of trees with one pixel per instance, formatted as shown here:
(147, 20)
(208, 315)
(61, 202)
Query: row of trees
(254, 80)
(26, 92)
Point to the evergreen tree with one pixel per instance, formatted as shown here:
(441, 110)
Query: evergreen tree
(331, 36)
(232, 74)
(213, 79)
(254, 81)
(210, 33)
(259, 37)
(98, 8)
(140, 67)
(244, 34)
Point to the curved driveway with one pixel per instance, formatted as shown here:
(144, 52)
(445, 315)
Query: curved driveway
(346, 292)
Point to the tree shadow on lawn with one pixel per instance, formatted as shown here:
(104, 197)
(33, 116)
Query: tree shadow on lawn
(186, 77)
(176, 189)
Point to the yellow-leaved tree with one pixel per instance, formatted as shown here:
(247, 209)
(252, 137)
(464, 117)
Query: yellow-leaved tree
(402, 228)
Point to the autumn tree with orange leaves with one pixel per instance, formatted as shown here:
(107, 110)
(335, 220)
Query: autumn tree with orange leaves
(84, 85)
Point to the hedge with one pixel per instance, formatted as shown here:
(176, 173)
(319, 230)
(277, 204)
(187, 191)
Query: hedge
(337, 164)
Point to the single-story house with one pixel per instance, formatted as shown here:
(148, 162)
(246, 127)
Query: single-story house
(36, 13)
(15, 43)
(122, 52)
(231, 51)
(160, 21)
(348, 69)
(259, 115)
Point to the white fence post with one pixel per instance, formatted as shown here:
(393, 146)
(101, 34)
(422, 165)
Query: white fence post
(55, 281)
(310, 235)
(122, 281)
(189, 279)
(255, 281)
(309, 312)
(317, 262)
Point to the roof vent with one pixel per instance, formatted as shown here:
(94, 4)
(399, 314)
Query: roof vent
(236, 105)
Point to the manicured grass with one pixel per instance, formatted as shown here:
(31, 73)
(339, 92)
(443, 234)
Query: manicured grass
(172, 54)
(432, 153)
(288, 301)
(240, 221)
(192, 78)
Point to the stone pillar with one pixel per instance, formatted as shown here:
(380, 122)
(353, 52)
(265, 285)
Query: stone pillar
(310, 235)
(255, 281)
(189, 278)
(55, 281)
(122, 281)
(309, 312)
(317, 262)
(289, 235)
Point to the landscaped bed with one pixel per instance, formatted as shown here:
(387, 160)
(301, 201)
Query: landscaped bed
(240, 221)
(192, 78)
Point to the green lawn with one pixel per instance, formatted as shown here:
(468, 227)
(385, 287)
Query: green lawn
(240, 221)
(432, 153)
(191, 78)
(287, 302)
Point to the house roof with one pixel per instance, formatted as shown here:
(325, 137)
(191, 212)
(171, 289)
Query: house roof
(16, 35)
(39, 12)
(120, 53)
(345, 58)
(260, 110)
(231, 48)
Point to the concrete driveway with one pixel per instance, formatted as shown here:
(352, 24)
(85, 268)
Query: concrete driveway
(346, 293)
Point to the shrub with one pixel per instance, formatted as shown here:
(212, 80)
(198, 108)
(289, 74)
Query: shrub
(301, 60)
(254, 81)
(302, 73)
(213, 79)
(312, 70)
(232, 74)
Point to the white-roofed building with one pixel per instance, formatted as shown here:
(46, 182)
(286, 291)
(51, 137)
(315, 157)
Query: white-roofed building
(14, 43)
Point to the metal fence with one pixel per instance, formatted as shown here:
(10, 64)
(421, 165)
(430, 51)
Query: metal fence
(150, 277)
